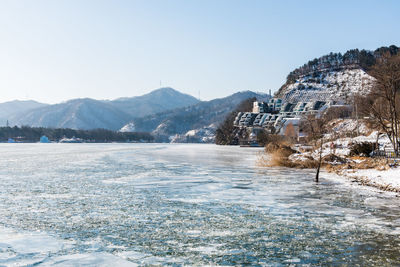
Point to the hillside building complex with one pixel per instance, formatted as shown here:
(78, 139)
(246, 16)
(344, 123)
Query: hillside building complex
(276, 115)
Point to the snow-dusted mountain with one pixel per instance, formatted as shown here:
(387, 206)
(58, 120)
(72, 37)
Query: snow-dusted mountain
(83, 113)
(12, 108)
(334, 76)
(190, 122)
(90, 113)
(154, 102)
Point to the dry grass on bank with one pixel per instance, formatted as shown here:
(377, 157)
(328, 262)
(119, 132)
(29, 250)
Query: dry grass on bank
(360, 163)
(278, 156)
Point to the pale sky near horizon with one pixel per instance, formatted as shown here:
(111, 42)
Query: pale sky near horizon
(52, 51)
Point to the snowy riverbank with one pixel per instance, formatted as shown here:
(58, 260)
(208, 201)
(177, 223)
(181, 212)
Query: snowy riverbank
(339, 156)
(388, 180)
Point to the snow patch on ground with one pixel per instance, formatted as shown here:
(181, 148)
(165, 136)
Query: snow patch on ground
(349, 126)
(300, 157)
(341, 146)
(382, 179)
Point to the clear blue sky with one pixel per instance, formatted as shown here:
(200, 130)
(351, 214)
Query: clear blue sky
(52, 51)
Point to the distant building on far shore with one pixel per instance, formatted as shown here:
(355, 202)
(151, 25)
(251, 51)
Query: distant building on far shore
(44, 139)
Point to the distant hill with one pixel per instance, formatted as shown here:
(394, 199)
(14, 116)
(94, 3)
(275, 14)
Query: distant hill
(91, 114)
(154, 102)
(334, 76)
(182, 120)
(12, 108)
(83, 113)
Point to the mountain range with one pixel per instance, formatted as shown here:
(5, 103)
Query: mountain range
(82, 113)
(86, 113)
(164, 112)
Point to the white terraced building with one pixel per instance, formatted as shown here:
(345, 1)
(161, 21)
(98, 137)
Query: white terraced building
(277, 114)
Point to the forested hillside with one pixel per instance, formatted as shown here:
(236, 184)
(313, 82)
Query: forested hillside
(333, 77)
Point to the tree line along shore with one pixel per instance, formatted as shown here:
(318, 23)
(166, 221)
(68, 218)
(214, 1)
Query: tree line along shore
(28, 134)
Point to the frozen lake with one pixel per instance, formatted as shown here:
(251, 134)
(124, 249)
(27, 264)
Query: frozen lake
(138, 204)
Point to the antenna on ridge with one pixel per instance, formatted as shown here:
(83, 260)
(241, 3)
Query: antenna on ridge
(199, 94)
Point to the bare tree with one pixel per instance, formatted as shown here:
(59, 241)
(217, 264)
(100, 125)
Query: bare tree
(382, 105)
(314, 127)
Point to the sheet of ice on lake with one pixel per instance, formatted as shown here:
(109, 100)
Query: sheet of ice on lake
(183, 204)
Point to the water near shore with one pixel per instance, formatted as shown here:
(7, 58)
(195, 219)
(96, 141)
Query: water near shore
(127, 204)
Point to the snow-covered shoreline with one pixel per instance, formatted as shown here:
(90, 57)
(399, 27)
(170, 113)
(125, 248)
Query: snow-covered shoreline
(338, 158)
(387, 180)
(383, 176)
